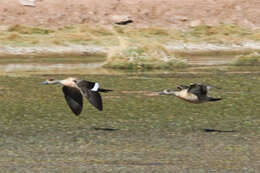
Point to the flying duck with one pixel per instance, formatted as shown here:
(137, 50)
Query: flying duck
(194, 93)
(74, 89)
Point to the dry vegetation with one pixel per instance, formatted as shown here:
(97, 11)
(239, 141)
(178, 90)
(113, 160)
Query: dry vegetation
(252, 59)
(129, 47)
(151, 56)
(107, 36)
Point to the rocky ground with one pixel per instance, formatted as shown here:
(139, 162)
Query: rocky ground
(165, 13)
(92, 20)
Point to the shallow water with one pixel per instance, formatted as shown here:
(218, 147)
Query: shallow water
(210, 60)
(13, 64)
(46, 67)
(39, 132)
(10, 64)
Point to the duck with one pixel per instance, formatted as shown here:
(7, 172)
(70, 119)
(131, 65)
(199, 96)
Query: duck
(75, 89)
(193, 93)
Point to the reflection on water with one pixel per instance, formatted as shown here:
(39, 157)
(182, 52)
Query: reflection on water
(45, 63)
(210, 60)
(13, 64)
(38, 66)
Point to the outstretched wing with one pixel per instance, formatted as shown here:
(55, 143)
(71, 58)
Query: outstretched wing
(84, 84)
(198, 89)
(95, 99)
(203, 89)
(212, 99)
(90, 91)
(73, 98)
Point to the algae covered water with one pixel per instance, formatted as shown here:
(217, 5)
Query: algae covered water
(38, 130)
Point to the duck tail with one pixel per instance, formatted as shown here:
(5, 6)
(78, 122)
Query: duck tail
(104, 90)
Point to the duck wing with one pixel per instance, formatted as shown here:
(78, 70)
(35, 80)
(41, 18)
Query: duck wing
(212, 99)
(95, 99)
(84, 84)
(73, 98)
(90, 91)
(198, 90)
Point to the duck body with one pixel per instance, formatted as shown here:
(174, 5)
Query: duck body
(194, 93)
(74, 90)
(187, 96)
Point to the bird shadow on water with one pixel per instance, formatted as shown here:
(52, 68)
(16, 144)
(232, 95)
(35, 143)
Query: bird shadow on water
(209, 130)
(105, 129)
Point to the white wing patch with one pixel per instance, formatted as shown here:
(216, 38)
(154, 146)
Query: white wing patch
(209, 87)
(95, 88)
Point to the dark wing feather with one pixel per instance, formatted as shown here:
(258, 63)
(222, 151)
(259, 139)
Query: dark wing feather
(204, 89)
(95, 99)
(73, 98)
(85, 84)
(93, 96)
(198, 89)
(194, 89)
(212, 99)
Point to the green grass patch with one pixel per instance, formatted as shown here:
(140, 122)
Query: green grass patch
(252, 59)
(150, 56)
(95, 30)
(224, 33)
(13, 36)
(29, 30)
(154, 133)
(109, 36)
(223, 29)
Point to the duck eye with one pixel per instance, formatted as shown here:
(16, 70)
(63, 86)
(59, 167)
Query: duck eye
(51, 79)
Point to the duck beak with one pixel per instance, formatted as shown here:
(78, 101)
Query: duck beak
(44, 82)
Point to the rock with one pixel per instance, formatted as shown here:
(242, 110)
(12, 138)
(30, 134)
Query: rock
(176, 19)
(124, 22)
(84, 19)
(195, 23)
(27, 2)
(119, 18)
(238, 8)
(3, 27)
(248, 23)
(181, 18)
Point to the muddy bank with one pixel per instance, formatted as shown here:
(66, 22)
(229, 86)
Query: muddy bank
(200, 54)
(178, 48)
(52, 50)
(41, 67)
(212, 49)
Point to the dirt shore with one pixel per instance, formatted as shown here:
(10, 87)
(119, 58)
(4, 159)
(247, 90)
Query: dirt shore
(180, 48)
(93, 31)
(164, 13)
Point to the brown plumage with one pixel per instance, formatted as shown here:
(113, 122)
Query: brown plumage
(194, 93)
